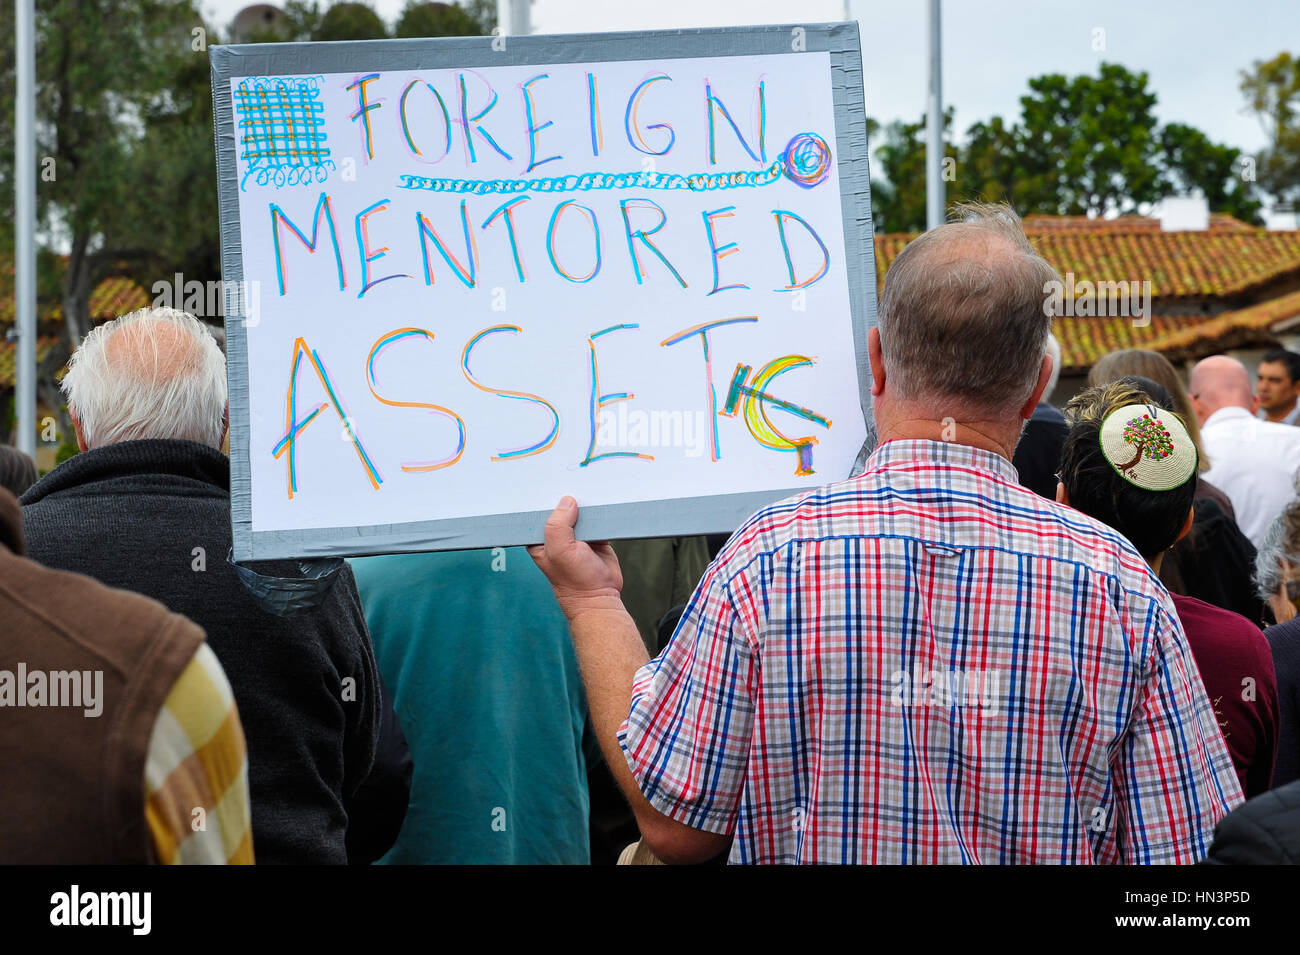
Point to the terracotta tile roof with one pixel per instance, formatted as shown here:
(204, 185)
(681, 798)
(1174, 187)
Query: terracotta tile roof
(1217, 263)
(1218, 223)
(1251, 324)
(112, 297)
(1084, 340)
(7, 353)
(1178, 337)
(1229, 260)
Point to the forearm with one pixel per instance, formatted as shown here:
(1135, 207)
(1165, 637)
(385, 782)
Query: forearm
(609, 651)
(587, 582)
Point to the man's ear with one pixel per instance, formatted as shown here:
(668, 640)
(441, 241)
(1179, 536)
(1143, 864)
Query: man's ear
(76, 427)
(1187, 524)
(1061, 496)
(877, 358)
(1044, 373)
(225, 428)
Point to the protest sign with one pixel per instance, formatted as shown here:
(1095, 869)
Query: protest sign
(470, 276)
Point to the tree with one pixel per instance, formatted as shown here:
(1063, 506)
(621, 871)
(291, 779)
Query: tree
(1151, 439)
(483, 12)
(8, 94)
(989, 168)
(898, 203)
(1087, 145)
(102, 68)
(436, 19)
(1272, 91)
(1192, 162)
(350, 21)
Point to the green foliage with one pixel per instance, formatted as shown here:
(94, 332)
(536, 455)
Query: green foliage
(898, 203)
(8, 94)
(350, 21)
(482, 12)
(420, 19)
(167, 217)
(1084, 145)
(1272, 91)
(67, 449)
(300, 23)
(1194, 163)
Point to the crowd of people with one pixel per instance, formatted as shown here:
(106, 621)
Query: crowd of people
(1015, 634)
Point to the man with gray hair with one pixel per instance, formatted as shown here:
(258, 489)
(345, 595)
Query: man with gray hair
(1253, 462)
(927, 663)
(146, 507)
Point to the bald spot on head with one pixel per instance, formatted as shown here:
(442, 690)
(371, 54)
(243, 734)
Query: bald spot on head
(964, 245)
(152, 352)
(1221, 382)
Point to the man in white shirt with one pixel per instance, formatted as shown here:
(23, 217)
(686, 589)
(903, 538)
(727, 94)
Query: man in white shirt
(1277, 385)
(1254, 462)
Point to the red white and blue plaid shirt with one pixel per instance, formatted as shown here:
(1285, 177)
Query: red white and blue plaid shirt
(931, 664)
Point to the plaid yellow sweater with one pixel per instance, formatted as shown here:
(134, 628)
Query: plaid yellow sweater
(196, 772)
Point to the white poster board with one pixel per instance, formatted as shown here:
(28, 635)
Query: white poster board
(472, 276)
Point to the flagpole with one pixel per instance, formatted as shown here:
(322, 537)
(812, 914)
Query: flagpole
(935, 200)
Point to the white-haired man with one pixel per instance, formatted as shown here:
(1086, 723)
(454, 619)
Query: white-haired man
(1254, 462)
(925, 663)
(146, 507)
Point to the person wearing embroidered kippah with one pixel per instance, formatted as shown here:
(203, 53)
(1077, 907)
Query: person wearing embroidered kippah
(1131, 464)
(1215, 562)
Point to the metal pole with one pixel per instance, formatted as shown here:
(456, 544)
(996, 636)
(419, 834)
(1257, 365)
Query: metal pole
(25, 223)
(521, 17)
(503, 16)
(935, 200)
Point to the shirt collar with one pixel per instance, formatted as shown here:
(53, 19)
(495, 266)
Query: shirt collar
(949, 453)
(1227, 414)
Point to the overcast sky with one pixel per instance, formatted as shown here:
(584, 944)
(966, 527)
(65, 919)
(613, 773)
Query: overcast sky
(1192, 49)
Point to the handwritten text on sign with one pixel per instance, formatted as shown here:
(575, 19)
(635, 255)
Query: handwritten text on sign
(483, 289)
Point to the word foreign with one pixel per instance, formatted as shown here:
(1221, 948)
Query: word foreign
(436, 115)
(75, 907)
(84, 688)
(946, 688)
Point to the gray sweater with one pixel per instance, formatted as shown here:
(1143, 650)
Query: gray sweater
(154, 517)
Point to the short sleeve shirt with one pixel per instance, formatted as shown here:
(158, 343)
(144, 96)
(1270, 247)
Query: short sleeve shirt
(928, 663)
